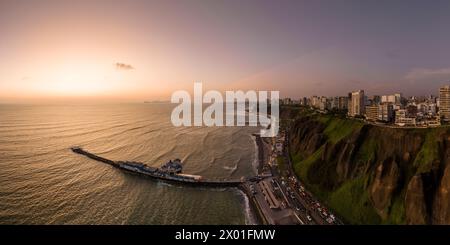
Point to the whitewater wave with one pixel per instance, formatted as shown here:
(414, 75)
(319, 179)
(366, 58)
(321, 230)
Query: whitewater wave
(255, 162)
(250, 218)
(232, 169)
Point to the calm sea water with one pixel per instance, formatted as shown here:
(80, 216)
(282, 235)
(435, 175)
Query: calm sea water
(43, 182)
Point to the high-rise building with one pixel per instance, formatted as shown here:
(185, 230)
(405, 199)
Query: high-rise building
(387, 99)
(393, 98)
(315, 101)
(397, 98)
(357, 103)
(349, 103)
(323, 103)
(386, 112)
(286, 101)
(334, 103)
(304, 101)
(343, 103)
(444, 103)
(376, 99)
(372, 112)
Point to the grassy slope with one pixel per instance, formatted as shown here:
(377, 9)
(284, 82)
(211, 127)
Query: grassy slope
(351, 200)
(338, 128)
(428, 153)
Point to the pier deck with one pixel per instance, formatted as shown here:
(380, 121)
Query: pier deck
(168, 178)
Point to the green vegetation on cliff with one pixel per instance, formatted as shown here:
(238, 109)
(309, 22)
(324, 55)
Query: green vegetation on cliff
(339, 128)
(428, 152)
(361, 171)
(352, 202)
(349, 200)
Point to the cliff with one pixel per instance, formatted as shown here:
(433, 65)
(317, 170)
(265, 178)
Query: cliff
(371, 174)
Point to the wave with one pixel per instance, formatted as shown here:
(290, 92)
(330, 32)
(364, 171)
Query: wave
(44, 183)
(163, 184)
(250, 218)
(232, 169)
(255, 162)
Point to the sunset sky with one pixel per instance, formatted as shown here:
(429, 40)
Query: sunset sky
(145, 50)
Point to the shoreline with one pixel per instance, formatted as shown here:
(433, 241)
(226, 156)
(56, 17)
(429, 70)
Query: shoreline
(251, 203)
(262, 154)
(254, 207)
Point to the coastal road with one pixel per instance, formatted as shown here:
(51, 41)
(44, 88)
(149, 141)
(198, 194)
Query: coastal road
(295, 206)
(298, 208)
(282, 216)
(307, 200)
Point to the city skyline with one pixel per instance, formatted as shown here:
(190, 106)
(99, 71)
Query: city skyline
(435, 94)
(145, 50)
(383, 109)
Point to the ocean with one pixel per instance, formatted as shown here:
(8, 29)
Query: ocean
(43, 182)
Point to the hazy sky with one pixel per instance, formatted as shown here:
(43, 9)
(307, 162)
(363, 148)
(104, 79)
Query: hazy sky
(145, 50)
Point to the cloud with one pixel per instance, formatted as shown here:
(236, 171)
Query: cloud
(123, 66)
(428, 74)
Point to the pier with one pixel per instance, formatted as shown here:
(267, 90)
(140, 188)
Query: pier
(246, 185)
(159, 174)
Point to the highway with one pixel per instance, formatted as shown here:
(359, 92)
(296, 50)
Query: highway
(280, 197)
(283, 199)
(319, 213)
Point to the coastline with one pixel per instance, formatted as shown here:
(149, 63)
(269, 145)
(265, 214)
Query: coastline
(254, 207)
(263, 152)
(262, 155)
